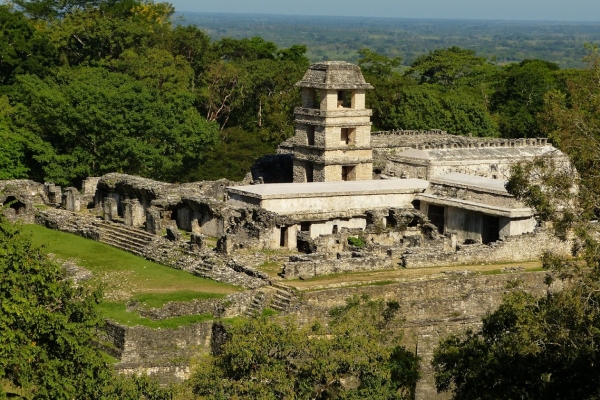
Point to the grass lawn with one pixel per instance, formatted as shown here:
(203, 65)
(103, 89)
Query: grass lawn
(128, 277)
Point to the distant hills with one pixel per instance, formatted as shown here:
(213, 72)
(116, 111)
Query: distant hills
(339, 38)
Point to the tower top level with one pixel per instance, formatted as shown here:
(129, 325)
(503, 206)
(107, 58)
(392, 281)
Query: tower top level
(332, 75)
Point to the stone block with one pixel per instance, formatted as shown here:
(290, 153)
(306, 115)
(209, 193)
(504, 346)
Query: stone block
(134, 213)
(226, 244)
(71, 199)
(54, 193)
(110, 208)
(154, 221)
(173, 234)
(89, 186)
(197, 241)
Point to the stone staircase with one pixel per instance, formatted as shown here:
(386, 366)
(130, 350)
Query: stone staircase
(258, 302)
(277, 297)
(126, 238)
(282, 298)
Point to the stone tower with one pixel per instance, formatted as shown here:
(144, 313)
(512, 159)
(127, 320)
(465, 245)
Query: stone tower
(333, 127)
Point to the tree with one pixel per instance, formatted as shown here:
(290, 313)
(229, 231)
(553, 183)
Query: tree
(451, 67)
(48, 329)
(47, 325)
(23, 49)
(89, 121)
(519, 97)
(547, 347)
(356, 355)
(13, 163)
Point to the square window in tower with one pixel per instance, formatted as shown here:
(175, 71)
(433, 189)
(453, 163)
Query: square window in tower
(344, 99)
(349, 173)
(348, 136)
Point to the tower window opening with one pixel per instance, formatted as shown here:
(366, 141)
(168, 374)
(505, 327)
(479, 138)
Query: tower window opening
(347, 136)
(310, 134)
(348, 173)
(344, 99)
(310, 173)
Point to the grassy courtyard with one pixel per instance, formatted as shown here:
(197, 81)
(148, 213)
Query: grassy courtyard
(126, 277)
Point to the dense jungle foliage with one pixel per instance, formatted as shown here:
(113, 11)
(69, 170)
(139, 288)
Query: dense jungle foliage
(546, 347)
(90, 87)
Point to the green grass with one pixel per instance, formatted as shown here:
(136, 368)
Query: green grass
(128, 277)
(118, 313)
(159, 300)
(145, 276)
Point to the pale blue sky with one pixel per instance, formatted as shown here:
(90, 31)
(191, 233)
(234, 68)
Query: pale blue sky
(554, 10)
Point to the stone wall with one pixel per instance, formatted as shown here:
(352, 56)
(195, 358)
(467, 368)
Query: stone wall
(163, 353)
(433, 308)
(526, 247)
(349, 262)
(20, 197)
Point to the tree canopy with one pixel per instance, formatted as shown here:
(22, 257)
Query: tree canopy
(356, 355)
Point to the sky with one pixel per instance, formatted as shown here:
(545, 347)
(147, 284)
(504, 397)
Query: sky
(546, 10)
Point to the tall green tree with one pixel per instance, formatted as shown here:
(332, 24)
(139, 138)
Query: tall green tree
(356, 355)
(23, 48)
(47, 325)
(519, 97)
(89, 121)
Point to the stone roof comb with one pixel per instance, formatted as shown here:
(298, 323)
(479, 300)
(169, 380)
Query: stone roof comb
(334, 75)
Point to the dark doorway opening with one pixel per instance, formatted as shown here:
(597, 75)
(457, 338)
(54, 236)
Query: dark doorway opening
(436, 216)
(283, 237)
(490, 230)
(15, 204)
(310, 135)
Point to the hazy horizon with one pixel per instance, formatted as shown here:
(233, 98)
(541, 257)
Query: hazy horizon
(507, 10)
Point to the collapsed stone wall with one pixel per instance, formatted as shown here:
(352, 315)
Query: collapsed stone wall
(19, 197)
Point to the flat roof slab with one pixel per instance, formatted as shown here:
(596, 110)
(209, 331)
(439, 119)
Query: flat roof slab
(471, 181)
(330, 189)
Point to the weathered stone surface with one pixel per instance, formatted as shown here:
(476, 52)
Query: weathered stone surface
(173, 234)
(433, 308)
(71, 199)
(110, 209)
(154, 221)
(197, 242)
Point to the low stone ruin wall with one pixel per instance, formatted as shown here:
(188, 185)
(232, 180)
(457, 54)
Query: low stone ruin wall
(227, 307)
(163, 353)
(433, 308)
(312, 268)
(526, 247)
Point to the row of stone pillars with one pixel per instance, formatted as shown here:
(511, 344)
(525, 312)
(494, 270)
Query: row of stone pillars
(134, 214)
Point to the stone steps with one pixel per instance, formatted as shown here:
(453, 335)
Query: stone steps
(125, 238)
(257, 304)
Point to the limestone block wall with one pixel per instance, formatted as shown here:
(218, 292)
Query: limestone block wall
(163, 353)
(405, 169)
(329, 227)
(526, 247)
(433, 308)
(400, 139)
(310, 269)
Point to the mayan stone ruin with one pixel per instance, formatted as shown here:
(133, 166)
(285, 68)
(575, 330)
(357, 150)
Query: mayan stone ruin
(415, 199)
